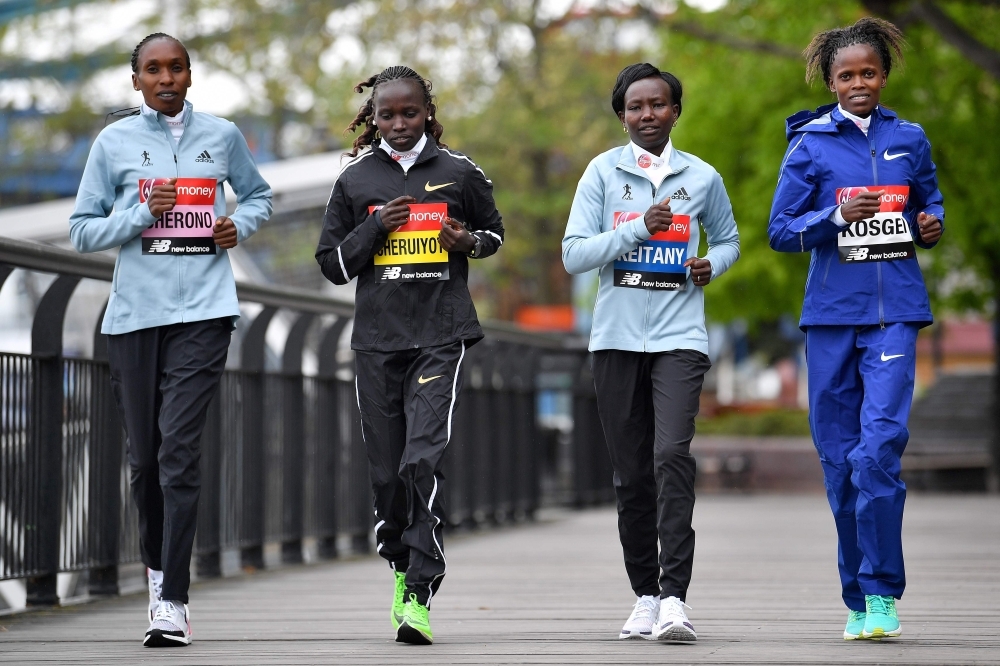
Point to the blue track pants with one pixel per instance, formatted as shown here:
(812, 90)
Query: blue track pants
(860, 390)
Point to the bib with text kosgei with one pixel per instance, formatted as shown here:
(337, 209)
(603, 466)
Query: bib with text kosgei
(187, 227)
(658, 263)
(882, 237)
(412, 252)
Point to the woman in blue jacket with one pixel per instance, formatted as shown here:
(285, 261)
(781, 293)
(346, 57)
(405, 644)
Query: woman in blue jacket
(857, 189)
(636, 217)
(153, 187)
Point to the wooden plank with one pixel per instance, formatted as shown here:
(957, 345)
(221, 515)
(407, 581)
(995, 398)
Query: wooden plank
(765, 590)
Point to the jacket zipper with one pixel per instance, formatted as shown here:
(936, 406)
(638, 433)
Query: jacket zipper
(878, 264)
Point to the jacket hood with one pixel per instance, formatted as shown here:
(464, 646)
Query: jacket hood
(824, 119)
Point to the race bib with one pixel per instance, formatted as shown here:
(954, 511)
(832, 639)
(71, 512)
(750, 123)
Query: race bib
(658, 263)
(882, 237)
(412, 252)
(187, 227)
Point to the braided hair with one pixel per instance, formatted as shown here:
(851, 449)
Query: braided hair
(366, 114)
(152, 38)
(640, 71)
(883, 37)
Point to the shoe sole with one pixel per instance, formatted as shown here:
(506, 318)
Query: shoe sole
(630, 636)
(156, 638)
(677, 634)
(407, 634)
(879, 634)
(852, 637)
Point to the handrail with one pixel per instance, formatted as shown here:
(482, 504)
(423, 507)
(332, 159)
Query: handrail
(49, 259)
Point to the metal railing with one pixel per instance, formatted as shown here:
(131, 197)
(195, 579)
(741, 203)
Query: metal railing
(283, 457)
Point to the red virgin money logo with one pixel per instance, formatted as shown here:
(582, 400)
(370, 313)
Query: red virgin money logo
(847, 193)
(622, 218)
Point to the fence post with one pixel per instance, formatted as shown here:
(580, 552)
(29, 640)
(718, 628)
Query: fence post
(329, 442)
(294, 431)
(46, 431)
(254, 486)
(106, 452)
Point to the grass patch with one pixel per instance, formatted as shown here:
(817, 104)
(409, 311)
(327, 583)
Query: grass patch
(778, 422)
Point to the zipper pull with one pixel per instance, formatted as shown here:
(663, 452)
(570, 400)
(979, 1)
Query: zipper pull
(175, 159)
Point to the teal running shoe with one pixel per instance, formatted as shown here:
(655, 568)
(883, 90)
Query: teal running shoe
(855, 625)
(880, 621)
(398, 600)
(416, 626)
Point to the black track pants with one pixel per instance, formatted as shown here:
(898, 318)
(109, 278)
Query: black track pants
(163, 379)
(407, 401)
(647, 404)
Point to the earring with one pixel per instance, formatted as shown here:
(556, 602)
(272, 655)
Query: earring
(430, 117)
(378, 135)
(625, 128)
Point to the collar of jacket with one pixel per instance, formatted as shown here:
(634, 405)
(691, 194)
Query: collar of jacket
(155, 119)
(429, 152)
(678, 163)
(828, 119)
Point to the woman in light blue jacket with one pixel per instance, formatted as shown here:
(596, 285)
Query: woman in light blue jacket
(636, 218)
(153, 187)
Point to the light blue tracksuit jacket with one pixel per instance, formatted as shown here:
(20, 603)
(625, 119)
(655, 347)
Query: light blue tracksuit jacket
(157, 290)
(614, 187)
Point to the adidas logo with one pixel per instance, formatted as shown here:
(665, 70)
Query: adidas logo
(204, 157)
(681, 194)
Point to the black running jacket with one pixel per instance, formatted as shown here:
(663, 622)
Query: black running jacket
(393, 314)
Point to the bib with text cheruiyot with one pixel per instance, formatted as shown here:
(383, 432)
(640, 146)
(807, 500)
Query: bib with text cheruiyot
(412, 252)
(658, 263)
(187, 227)
(882, 237)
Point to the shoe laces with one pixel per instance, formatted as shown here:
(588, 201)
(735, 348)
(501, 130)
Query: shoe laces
(855, 616)
(880, 605)
(674, 606)
(170, 616)
(643, 608)
(417, 609)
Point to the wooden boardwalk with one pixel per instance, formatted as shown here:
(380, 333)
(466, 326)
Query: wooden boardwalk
(765, 590)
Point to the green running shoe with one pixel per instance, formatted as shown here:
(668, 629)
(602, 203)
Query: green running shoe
(398, 600)
(855, 625)
(880, 621)
(416, 626)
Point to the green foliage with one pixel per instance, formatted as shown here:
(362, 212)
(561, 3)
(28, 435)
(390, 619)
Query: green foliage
(778, 422)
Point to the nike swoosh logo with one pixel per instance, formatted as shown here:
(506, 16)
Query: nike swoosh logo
(421, 380)
(889, 358)
(889, 157)
(430, 188)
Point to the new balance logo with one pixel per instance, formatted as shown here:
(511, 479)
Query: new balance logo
(204, 157)
(857, 254)
(392, 273)
(681, 194)
(159, 246)
(631, 279)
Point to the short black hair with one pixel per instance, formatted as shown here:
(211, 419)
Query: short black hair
(640, 71)
(152, 38)
(883, 37)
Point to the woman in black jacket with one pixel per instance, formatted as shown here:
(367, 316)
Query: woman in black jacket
(404, 218)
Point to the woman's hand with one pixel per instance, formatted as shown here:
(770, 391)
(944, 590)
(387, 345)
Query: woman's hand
(224, 233)
(162, 198)
(455, 238)
(930, 228)
(701, 270)
(658, 218)
(862, 207)
(396, 213)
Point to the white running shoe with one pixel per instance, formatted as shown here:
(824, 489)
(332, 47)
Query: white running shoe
(673, 623)
(640, 622)
(155, 579)
(171, 626)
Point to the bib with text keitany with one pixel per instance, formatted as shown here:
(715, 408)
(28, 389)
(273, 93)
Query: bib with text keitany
(187, 227)
(412, 252)
(883, 237)
(657, 263)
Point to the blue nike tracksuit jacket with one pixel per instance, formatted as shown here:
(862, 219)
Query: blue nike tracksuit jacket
(861, 322)
(149, 290)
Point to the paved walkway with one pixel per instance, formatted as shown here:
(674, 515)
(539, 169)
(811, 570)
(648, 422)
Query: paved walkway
(765, 591)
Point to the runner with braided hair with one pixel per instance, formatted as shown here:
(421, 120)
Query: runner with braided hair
(405, 217)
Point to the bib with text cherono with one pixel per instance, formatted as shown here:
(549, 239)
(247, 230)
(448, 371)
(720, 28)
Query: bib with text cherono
(187, 227)
(883, 237)
(412, 252)
(658, 263)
